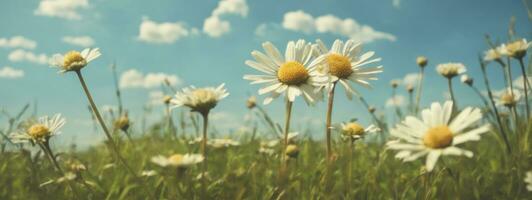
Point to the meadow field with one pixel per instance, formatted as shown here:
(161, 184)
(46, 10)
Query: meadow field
(406, 149)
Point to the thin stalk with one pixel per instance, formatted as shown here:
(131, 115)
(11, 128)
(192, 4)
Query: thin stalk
(450, 84)
(505, 72)
(411, 102)
(204, 153)
(486, 104)
(419, 86)
(111, 142)
(268, 120)
(375, 118)
(328, 122)
(396, 105)
(350, 166)
(113, 146)
(117, 89)
(509, 71)
(288, 114)
(45, 146)
(490, 95)
(525, 85)
(516, 118)
(169, 123)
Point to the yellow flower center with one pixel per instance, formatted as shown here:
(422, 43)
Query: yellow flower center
(352, 129)
(508, 99)
(175, 159)
(421, 61)
(339, 66)
(438, 137)
(292, 73)
(122, 123)
(167, 99)
(204, 101)
(515, 49)
(38, 131)
(74, 61)
(292, 150)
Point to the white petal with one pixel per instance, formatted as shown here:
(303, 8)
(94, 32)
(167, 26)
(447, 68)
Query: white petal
(432, 158)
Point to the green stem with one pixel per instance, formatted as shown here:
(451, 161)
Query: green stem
(490, 95)
(525, 85)
(451, 92)
(111, 142)
(328, 122)
(45, 146)
(288, 113)
(204, 153)
(419, 86)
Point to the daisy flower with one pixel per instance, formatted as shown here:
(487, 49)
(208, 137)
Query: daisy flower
(200, 100)
(294, 75)
(178, 160)
(292, 151)
(450, 70)
(342, 63)
(466, 79)
(516, 49)
(436, 134)
(74, 60)
(355, 131)
(528, 180)
(422, 61)
(39, 131)
(493, 54)
(220, 143)
(507, 98)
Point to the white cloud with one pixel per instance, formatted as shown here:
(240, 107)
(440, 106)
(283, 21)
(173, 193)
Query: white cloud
(83, 41)
(21, 55)
(238, 7)
(397, 100)
(156, 97)
(9, 72)
(214, 26)
(411, 79)
(348, 27)
(299, 21)
(164, 32)
(134, 79)
(519, 82)
(18, 42)
(67, 9)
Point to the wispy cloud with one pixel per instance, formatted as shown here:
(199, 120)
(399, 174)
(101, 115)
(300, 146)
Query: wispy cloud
(21, 55)
(411, 79)
(11, 73)
(135, 79)
(83, 41)
(18, 42)
(214, 26)
(396, 101)
(164, 32)
(303, 22)
(396, 3)
(67, 9)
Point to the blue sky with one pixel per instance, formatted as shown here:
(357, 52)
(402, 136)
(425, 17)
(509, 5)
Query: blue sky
(443, 31)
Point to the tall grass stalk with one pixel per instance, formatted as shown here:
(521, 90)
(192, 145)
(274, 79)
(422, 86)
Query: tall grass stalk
(494, 107)
(525, 85)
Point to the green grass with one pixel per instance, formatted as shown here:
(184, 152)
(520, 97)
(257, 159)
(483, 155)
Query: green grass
(243, 173)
